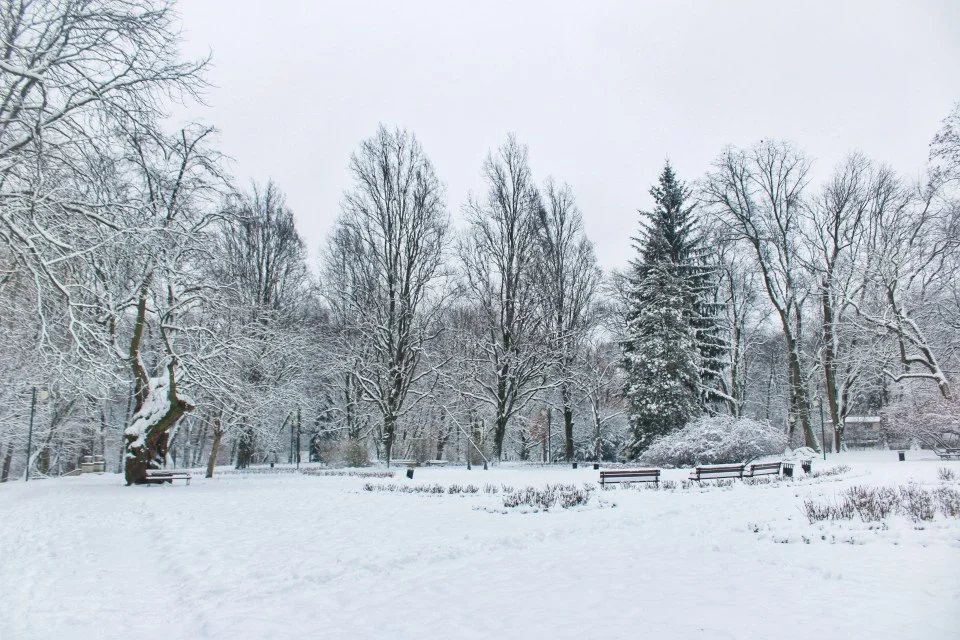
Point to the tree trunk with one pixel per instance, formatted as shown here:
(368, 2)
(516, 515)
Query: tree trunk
(389, 435)
(597, 429)
(499, 433)
(829, 358)
(442, 437)
(146, 437)
(214, 449)
(798, 396)
(245, 447)
(567, 422)
(7, 460)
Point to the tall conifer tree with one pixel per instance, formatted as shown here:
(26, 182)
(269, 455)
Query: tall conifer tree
(673, 345)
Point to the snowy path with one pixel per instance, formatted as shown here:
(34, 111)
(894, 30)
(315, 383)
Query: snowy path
(312, 557)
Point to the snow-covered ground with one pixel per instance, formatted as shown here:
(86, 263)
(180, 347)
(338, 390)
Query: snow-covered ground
(292, 556)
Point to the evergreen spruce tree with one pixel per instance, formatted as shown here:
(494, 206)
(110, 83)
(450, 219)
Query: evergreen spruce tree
(674, 348)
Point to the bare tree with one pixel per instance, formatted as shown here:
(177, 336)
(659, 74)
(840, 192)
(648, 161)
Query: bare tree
(758, 194)
(175, 180)
(570, 277)
(602, 385)
(914, 240)
(737, 294)
(261, 262)
(836, 243)
(71, 74)
(385, 267)
(499, 257)
(945, 149)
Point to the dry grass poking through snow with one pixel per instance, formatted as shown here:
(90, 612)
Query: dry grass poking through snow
(875, 504)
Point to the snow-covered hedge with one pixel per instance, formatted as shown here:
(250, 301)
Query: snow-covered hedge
(716, 440)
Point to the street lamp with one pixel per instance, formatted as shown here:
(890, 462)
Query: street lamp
(33, 405)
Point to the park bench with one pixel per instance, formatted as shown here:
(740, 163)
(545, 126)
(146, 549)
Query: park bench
(630, 475)
(763, 469)
(717, 472)
(155, 476)
(949, 453)
(418, 463)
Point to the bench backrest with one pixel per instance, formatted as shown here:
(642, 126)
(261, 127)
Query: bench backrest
(720, 470)
(630, 473)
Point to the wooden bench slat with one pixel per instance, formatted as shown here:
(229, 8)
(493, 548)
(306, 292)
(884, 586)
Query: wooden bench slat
(717, 472)
(630, 475)
(158, 476)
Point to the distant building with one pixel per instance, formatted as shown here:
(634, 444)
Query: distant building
(862, 432)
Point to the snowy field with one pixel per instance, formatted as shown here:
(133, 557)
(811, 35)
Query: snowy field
(293, 556)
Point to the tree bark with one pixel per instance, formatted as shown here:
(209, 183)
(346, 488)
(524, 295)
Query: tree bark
(828, 356)
(389, 436)
(7, 460)
(148, 447)
(214, 448)
(245, 449)
(798, 392)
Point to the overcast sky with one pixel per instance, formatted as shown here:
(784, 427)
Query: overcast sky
(601, 92)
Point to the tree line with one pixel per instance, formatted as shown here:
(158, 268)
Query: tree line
(172, 316)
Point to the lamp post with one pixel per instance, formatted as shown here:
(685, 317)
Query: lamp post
(33, 406)
(298, 437)
(823, 433)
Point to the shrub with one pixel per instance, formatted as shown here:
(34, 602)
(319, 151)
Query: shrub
(566, 495)
(828, 511)
(840, 469)
(929, 419)
(945, 475)
(355, 454)
(917, 503)
(353, 474)
(715, 440)
(948, 500)
(405, 488)
(872, 504)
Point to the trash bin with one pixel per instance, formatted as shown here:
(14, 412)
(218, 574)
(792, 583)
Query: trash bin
(596, 465)
(902, 455)
(574, 465)
(787, 470)
(806, 465)
(410, 473)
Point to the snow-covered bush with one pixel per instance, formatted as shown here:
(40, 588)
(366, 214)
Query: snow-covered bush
(802, 453)
(838, 470)
(565, 495)
(917, 503)
(355, 454)
(875, 504)
(715, 440)
(949, 501)
(928, 419)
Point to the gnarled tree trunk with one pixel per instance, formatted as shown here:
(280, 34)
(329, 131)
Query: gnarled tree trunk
(157, 409)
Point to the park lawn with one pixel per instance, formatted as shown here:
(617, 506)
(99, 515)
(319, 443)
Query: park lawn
(295, 556)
